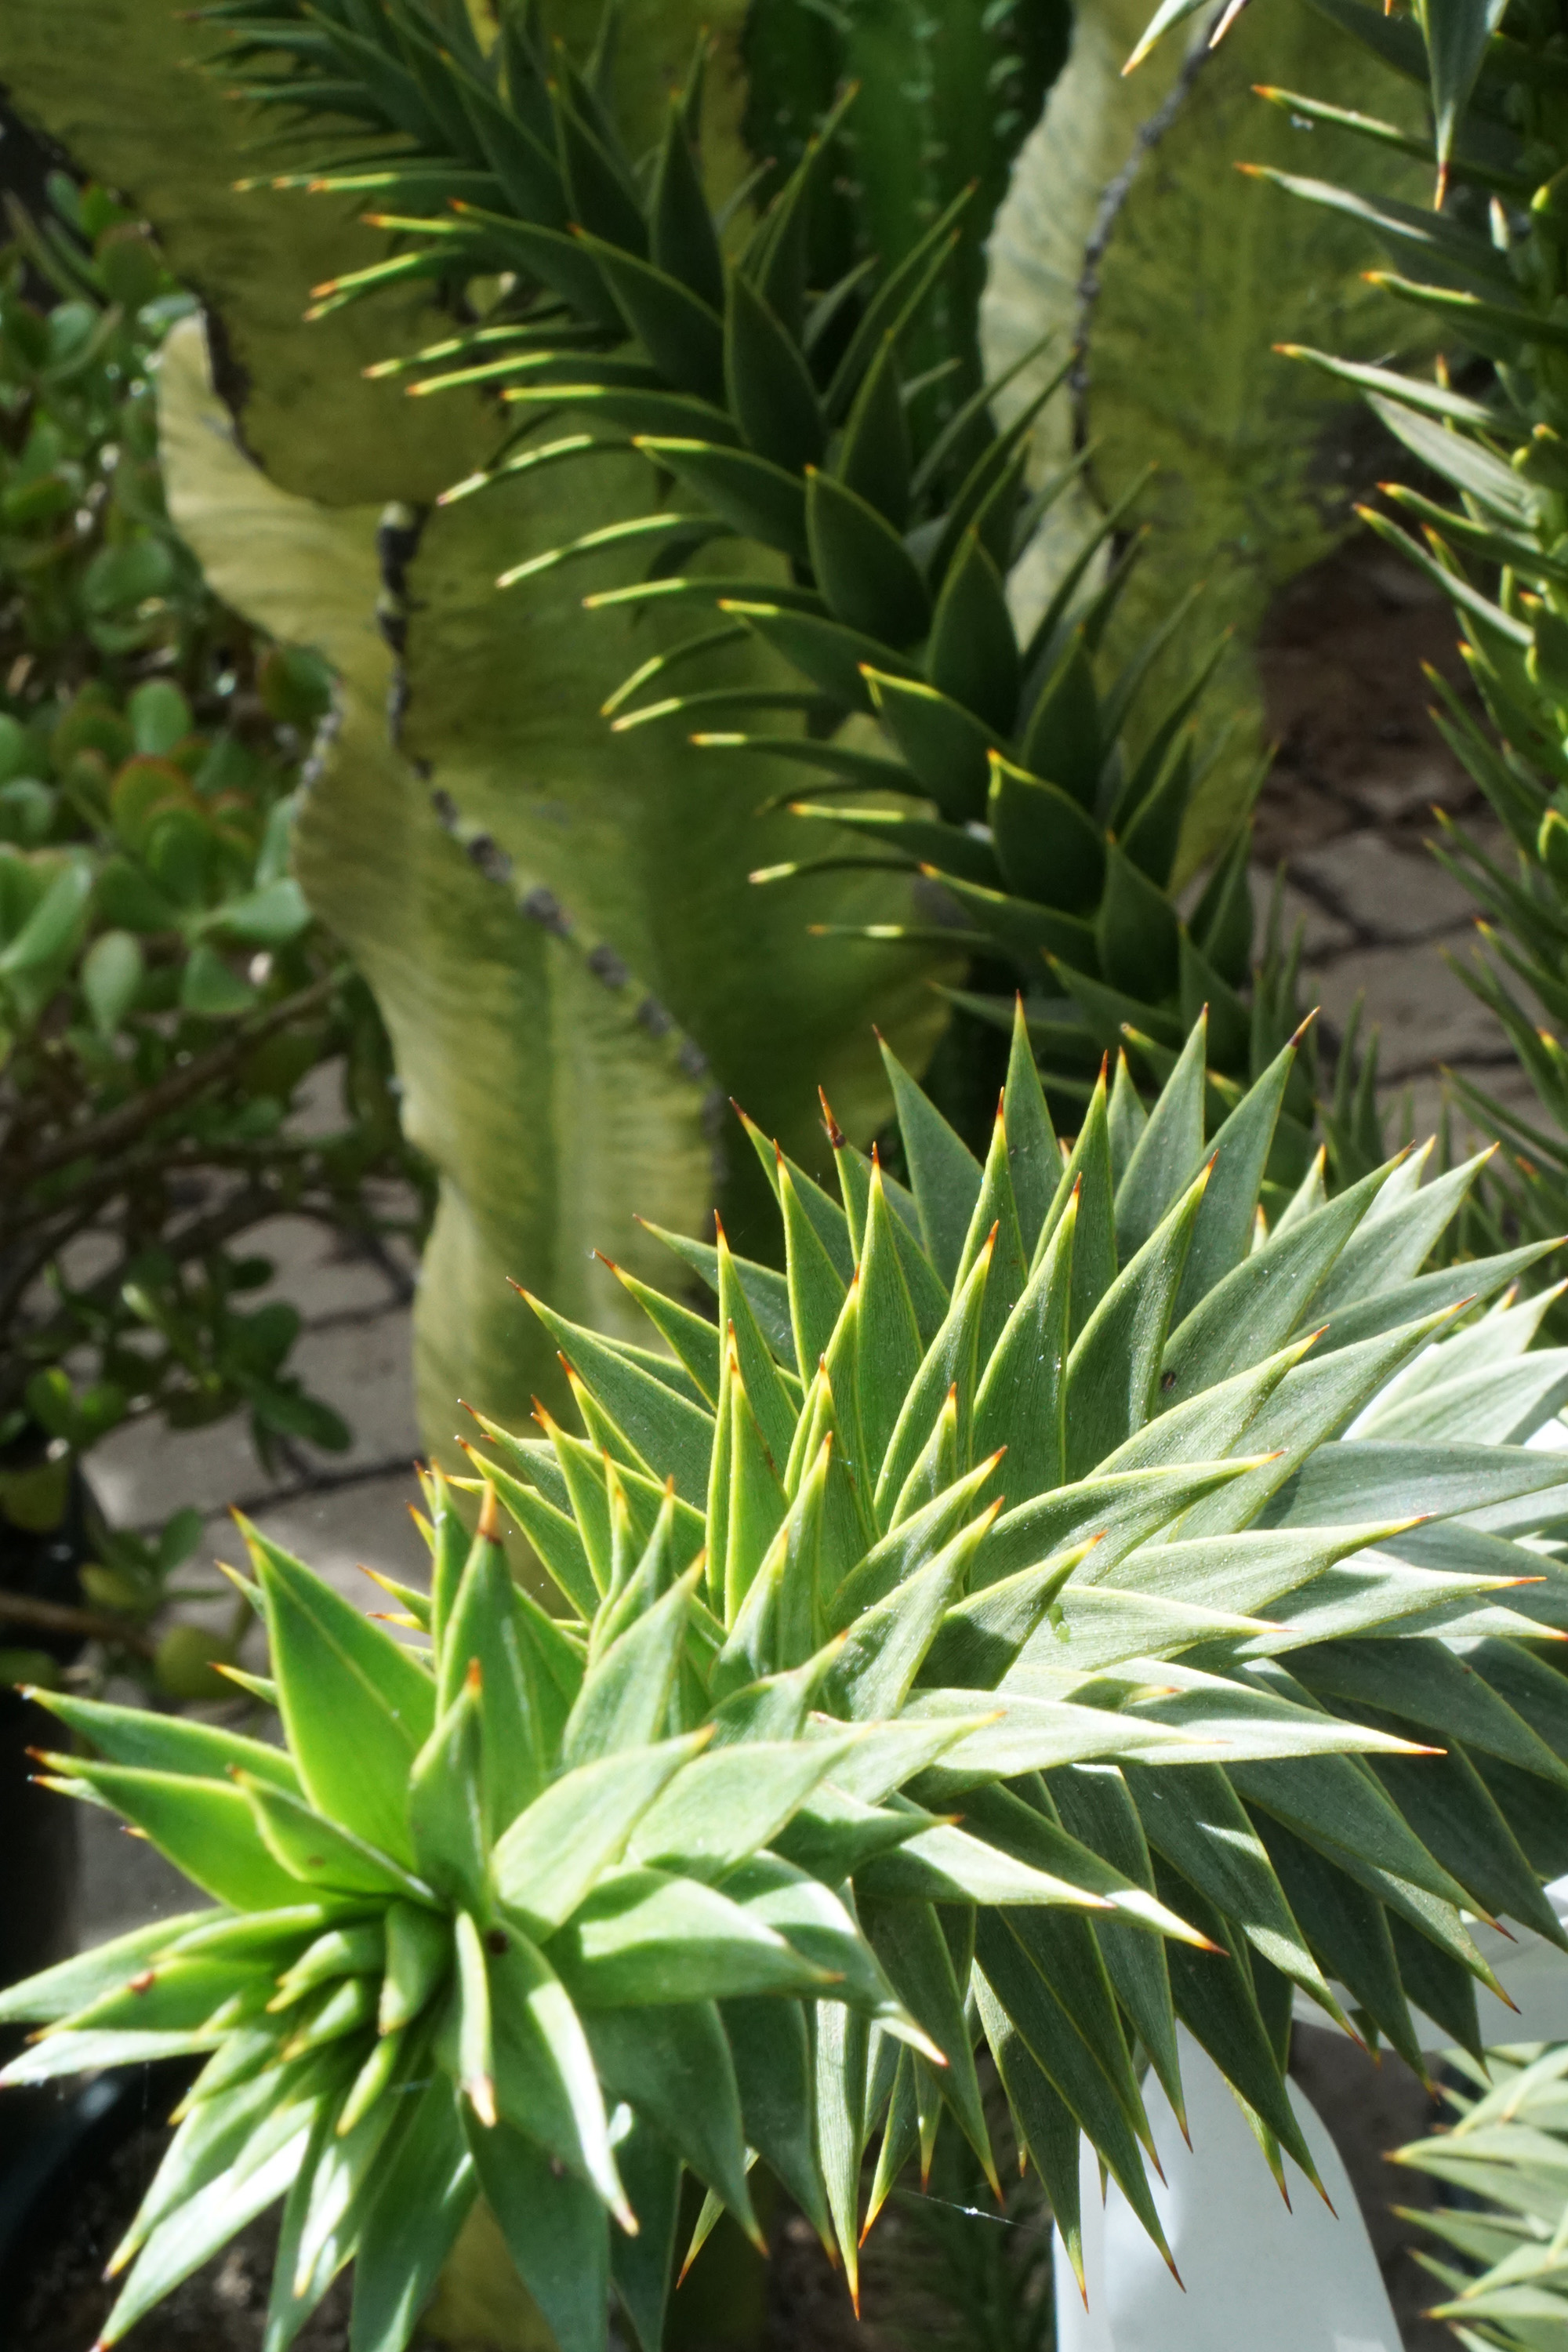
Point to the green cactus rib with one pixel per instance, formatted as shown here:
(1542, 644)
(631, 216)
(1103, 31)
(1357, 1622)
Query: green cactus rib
(1063, 1602)
(786, 416)
(947, 93)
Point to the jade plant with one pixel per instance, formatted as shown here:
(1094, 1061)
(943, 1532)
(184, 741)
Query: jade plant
(165, 996)
(164, 992)
(91, 576)
(1082, 1592)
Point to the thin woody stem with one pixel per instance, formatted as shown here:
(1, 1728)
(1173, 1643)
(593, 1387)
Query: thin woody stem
(104, 1135)
(59, 1617)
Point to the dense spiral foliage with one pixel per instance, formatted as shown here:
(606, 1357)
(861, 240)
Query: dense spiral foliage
(1081, 1592)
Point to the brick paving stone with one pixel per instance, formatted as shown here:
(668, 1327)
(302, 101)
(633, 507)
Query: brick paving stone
(1323, 934)
(319, 1102)
(1424, 1011)
(1512, 1088)
(121, 1881)
(142, 1472)
(1426, 1091)
(1406, 782)
(1384, 893)
(337, 1531)
(322, 1273)
(364, 1369)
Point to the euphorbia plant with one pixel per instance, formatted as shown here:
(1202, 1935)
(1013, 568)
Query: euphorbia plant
(819, 486)
(1080, 1593)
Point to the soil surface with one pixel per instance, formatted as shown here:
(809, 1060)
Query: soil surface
(64, 2299)
(942, 2274)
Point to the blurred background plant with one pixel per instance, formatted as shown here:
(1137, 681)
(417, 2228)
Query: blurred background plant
(947, 95)
(1503, 2160)
(1126, 228)
(951, 2269)
(167, 999)
(90, 571)
(1481, 437)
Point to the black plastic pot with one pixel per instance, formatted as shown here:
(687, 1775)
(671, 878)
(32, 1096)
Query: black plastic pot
(37, 1832)
(39, 1840)
(55, 2143)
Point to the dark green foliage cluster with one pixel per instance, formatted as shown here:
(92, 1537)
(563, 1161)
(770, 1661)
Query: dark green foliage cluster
(783, 414)
(163, 992)
(163, 997)
(945, 95)
(90, 571)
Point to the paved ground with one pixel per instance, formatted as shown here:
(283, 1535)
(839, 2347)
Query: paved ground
(1348, 811)
(333, 1510)
(355, 1352)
